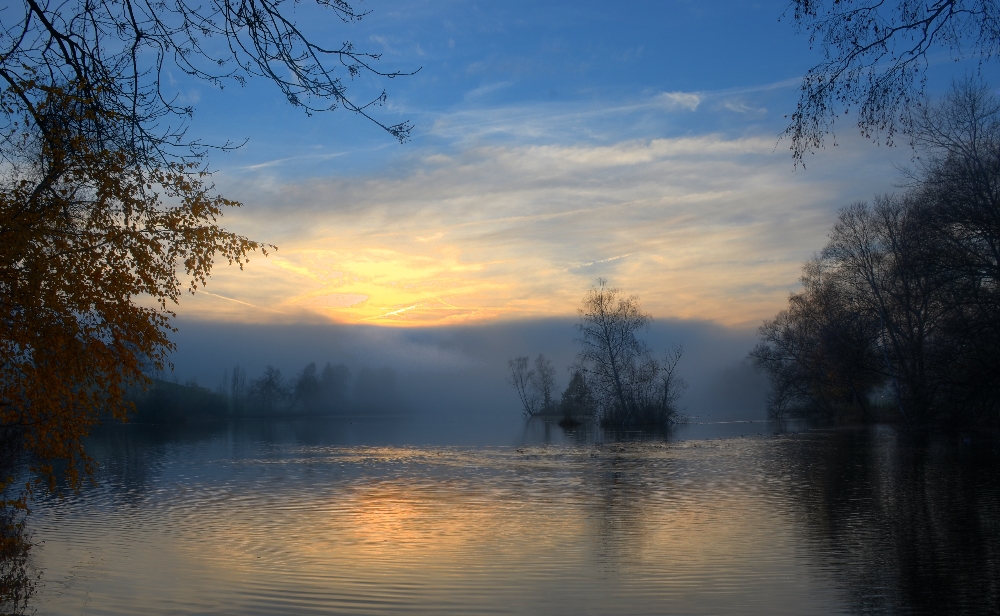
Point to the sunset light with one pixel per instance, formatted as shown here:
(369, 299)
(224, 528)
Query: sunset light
(519, 308)
(523, 232)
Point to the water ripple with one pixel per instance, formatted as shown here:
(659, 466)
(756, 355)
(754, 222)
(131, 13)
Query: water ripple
(818, 523)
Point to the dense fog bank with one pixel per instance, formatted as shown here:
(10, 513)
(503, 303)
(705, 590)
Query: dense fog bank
(461, 372)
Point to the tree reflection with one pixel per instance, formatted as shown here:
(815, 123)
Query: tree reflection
(17, 584)
(624, 485)
(908, 523)
(17, 581)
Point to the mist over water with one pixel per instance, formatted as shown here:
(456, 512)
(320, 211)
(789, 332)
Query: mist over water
(452, 502)
(457, 376)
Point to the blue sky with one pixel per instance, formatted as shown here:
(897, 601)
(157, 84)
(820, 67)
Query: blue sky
(554, 142)
(485, 68)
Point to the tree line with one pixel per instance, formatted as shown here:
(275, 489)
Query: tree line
(616, 379)
(902, 306)
(331, 390)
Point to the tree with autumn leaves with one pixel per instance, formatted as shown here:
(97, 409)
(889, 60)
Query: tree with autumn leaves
(107, 213)
(91, 236)
(90, 243)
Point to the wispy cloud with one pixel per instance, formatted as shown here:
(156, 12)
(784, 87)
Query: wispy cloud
(741, 107)
(293, 159)
(240, 302)
(615, 117)
(487, 89)
(701, 227)
(680, 100)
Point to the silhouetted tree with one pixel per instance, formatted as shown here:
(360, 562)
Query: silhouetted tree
(885, 257)
(544, 381)
(874, 295)
(269, 392)
(821, 352)
(315, 391)
(576, 398)
(624, 377)
(959, 173)
(905, 296)
(521, 378)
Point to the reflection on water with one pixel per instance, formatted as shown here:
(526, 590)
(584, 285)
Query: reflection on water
(905, 523)
(285, 518)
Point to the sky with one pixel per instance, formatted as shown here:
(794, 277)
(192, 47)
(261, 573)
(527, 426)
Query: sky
(553, 143)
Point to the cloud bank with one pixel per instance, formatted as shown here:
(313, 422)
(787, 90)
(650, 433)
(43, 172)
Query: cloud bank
(704, 227)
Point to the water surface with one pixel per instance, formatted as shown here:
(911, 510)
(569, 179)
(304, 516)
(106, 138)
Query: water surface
(301, 518)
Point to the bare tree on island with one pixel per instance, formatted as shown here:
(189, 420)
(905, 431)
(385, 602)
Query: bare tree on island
(535, 386)
(521, 377)
(629, 385)
(608, 324)
(544, 382)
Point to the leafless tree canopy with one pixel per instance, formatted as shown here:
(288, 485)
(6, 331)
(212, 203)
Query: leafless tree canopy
(616, 377)
(629, 386)
(876, 54)
(117, 55)
(535, 386)
(522, 378)
(545, 382)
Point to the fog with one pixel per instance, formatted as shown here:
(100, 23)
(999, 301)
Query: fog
(458, 374)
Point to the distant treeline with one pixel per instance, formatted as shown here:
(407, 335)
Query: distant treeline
(313, 391)
(900, 313)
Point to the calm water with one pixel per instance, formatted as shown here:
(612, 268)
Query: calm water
(297, 518)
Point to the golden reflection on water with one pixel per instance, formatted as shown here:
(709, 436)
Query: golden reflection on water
(645, 529)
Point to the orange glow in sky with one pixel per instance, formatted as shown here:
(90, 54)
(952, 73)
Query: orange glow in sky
(700, 228)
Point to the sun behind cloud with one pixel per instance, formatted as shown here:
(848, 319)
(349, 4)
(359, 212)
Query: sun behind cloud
(381, 285)
(707, 228)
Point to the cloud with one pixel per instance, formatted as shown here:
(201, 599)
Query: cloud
(702, 227)
(680, 100)
(597, 268)
(605, 120)
(487, 89)
(384, 41)
(741, 107)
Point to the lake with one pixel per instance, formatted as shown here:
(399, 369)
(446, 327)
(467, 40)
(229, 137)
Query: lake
(352, 516)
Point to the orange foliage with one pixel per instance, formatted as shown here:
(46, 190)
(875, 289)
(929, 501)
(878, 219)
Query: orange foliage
(92, 239)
